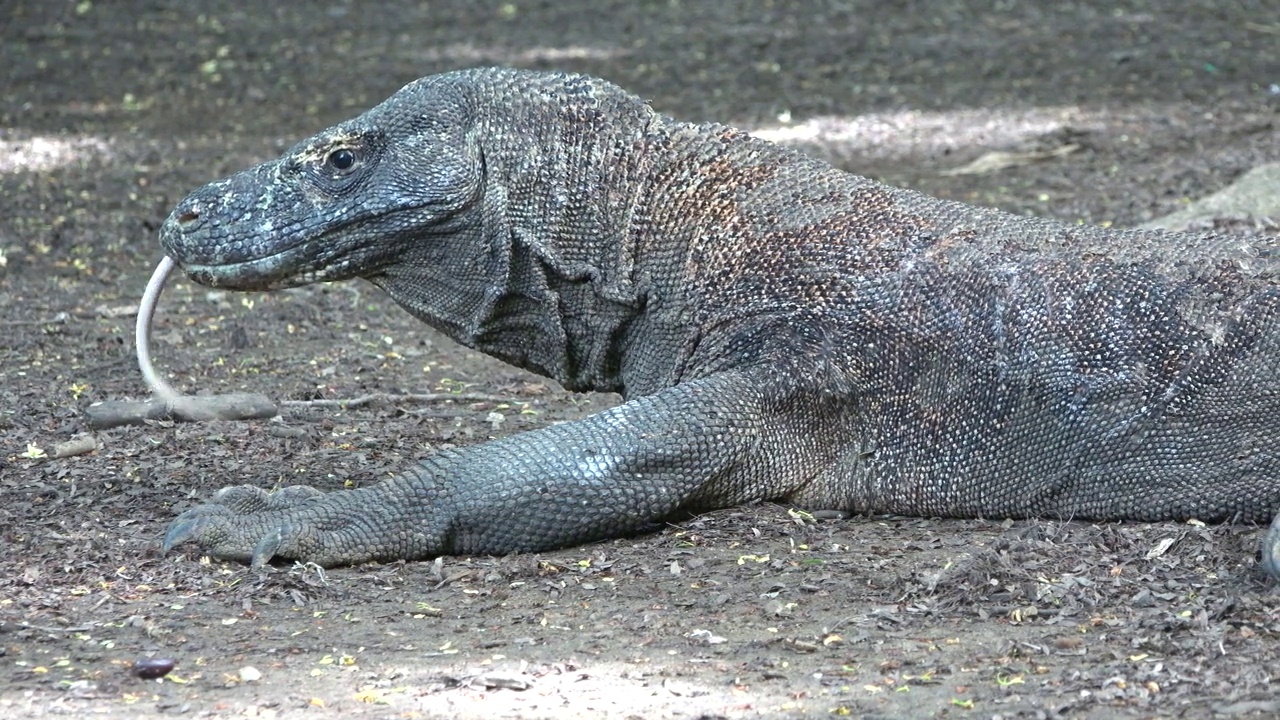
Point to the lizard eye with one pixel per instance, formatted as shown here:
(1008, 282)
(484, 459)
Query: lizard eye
(342, 159)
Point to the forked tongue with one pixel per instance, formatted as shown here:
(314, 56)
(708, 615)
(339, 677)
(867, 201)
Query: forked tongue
(160, 388)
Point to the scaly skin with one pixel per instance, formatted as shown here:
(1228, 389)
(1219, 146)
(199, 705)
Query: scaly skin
(780, 330)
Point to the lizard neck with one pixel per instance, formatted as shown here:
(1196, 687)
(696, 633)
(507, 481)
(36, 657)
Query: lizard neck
(550, 283)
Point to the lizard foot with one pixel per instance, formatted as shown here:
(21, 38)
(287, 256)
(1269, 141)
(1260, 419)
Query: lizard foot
(246, 523)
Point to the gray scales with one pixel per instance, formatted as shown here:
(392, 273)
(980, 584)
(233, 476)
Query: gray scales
(780, 330)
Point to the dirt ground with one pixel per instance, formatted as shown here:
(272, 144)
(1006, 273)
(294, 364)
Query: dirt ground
(112, 111)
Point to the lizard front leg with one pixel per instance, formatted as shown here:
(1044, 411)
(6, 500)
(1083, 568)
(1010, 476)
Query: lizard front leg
(608, 475)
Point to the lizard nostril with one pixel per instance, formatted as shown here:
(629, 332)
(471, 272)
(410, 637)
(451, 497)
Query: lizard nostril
(188, 216)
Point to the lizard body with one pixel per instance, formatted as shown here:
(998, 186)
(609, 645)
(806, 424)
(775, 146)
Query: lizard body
(779, 329)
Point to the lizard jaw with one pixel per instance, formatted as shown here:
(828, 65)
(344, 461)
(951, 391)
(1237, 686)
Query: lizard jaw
(273, 272)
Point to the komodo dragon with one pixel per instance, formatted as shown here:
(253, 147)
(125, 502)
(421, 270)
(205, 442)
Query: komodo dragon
(780, 330)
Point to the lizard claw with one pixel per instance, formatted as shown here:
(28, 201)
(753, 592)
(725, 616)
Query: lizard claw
(1271, 550)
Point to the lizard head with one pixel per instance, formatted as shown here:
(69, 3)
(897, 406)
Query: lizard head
(343, 203)
(479, 200)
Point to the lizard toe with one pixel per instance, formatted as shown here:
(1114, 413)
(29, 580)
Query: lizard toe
(300, 540)
(185, 527)
(1271, 550)
(246, 499)
(292, 496)
(268, 546)
(239, 499)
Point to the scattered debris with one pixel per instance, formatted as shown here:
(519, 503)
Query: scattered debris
(706, 637)
(78, 445)
(504, 682)
(152, 668)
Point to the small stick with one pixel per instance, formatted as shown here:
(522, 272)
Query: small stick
(230, 406)
(374, 398)
(168, 402)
